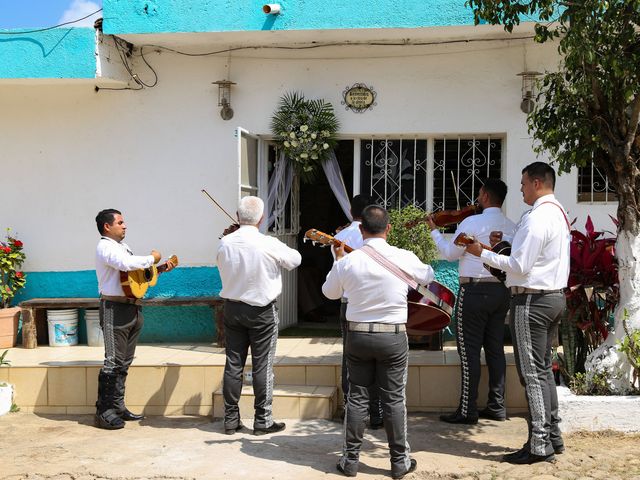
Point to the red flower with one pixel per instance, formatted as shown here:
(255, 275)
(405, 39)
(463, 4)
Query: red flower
(19, 274)
(6, 249)
(18, 243)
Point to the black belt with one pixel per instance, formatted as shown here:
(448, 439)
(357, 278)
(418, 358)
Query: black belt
(533, 291)
(117, 299)
(371, 327)
(464, 280)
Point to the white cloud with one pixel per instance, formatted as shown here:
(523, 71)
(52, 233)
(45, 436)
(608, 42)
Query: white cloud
(78, 9)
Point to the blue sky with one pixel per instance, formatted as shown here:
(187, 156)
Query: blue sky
(46, 13)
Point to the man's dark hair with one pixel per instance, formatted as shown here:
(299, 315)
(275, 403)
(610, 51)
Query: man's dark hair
(541, 171)
(496, 189)
(358, 204)
(106, 216)
(374, 219)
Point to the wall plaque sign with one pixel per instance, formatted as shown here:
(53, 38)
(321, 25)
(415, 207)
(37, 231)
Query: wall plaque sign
(359, 98)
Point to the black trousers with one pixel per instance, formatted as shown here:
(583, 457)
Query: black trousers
(380, 359)
(375, 407)
(121, 325)
(480, 318)
(534, 321)
(247, 326)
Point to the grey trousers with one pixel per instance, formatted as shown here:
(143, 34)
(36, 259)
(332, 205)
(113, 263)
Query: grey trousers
(377, 359)
(482, 309)
(375, 407)
(256, 327)
(121, 325)
(534, 320)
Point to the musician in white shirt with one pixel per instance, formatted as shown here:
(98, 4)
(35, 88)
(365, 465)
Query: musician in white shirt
(120, 317)
(377, 347)
(352, 236)
(483, 302)
(249, 264)
(537, 272)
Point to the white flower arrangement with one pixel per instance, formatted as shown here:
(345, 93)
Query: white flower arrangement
(305, 130)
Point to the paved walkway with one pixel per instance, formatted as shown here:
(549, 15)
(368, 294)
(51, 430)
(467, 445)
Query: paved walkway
(69, 448)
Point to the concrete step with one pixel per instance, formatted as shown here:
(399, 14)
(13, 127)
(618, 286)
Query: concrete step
(289, 401)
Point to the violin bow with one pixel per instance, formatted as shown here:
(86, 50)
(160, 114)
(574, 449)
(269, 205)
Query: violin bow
(455, 190)
(219, 206)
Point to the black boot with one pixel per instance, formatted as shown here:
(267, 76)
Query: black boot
(106, 415)
(121, 409)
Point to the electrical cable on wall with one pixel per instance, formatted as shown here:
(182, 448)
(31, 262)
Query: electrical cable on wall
(50, 28)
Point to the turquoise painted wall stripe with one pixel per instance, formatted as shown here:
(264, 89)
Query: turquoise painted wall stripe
(57, 53)
(165, 16)
(162, 324)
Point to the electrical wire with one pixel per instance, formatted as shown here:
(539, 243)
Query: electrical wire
(50, 28)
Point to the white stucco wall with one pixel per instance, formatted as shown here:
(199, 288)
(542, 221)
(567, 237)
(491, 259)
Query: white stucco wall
(66, 151)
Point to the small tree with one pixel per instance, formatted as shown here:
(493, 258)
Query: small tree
(589, 110)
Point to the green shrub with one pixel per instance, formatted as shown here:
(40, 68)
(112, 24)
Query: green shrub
(416, 239)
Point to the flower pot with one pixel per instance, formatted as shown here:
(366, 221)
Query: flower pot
(6, 398)
(9, 326)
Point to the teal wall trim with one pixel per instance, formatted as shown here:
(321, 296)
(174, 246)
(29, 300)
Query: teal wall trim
(170, 16)
(162, 324)
(57, 53)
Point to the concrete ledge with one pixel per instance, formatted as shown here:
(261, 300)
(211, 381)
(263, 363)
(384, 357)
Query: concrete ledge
(593, 413)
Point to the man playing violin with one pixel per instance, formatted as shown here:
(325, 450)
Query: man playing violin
(249, 264)
(483, 302)
(537, 273)
(352, 236)
(377, 347)
(120, 317)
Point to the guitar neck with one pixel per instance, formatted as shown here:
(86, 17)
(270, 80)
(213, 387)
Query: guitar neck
(337, 243)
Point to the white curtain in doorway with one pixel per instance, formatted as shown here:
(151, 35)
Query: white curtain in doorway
(279, 185)
(336, 182)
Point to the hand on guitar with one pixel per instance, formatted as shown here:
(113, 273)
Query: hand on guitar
(156, 256)
(171, 264)
(429, 221)
(338, 249)
(474, 248)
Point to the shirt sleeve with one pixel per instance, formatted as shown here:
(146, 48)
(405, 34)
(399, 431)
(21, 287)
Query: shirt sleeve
(422, 273)
(527, 246)
(287, 257)
(117, 258)
(332, 288)
(448, 250)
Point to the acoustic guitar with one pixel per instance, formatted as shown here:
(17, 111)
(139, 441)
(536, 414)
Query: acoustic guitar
(136, 282)
(501, 248)
(429, 307)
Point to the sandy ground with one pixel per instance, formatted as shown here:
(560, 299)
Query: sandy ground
(68, 447)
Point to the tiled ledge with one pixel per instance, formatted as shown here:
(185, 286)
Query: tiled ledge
(180, 379)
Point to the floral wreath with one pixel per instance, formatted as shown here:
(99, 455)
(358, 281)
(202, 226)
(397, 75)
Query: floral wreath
(305, 131)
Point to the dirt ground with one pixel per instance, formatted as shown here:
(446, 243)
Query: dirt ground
(170, 448)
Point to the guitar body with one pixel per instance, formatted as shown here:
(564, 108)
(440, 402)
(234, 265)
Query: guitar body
(427, 316)
(501, 248)
(136, 282)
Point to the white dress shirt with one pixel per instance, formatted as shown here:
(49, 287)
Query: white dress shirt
(351, 235)
(491, 219)
(111, 259)
(375, 294)
(249, 264)
(540, 250)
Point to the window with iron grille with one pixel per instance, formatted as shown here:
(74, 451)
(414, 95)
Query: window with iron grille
(594, 186)
(434, 174)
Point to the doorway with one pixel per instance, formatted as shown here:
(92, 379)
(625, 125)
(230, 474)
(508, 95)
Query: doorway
(319, 209)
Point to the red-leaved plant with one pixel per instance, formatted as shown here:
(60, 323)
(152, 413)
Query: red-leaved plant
(591, 297)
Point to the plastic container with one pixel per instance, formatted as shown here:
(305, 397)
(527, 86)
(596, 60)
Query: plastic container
(63, 327)
(95, 337)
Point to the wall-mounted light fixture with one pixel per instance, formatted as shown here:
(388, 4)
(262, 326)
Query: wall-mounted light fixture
(528, 90)
(271, 8)
(224, 98)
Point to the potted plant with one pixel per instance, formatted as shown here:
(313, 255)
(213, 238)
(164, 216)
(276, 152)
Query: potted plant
(12, 280)
(6, 389)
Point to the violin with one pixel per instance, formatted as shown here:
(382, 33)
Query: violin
(230, 229)
(447, 217)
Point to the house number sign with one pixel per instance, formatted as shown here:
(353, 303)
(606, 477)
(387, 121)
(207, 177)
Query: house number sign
(359, 98)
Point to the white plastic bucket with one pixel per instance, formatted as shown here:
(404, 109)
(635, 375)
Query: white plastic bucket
(6, 398)
(95, 337)
(63, 327)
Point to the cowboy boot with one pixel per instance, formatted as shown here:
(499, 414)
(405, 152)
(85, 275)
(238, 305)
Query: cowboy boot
(106, 416)
(121, 409)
